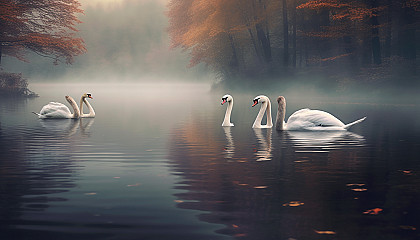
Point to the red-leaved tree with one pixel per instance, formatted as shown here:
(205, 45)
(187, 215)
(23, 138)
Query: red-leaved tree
(46, 27)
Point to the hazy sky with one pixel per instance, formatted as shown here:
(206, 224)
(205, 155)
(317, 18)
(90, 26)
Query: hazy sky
(125, 40)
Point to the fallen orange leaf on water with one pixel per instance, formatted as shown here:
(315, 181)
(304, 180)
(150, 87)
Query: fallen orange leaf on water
(134, 185)
(293, 204)
(325, 232)
(240, 235)
(405, 227)
(406, 172)
(374, 211)
(359, 189)
(260, 187)
(355, 184)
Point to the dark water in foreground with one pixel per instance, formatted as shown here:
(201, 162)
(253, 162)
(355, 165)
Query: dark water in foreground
(155, 163)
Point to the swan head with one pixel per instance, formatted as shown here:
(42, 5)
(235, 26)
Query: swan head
(69, 99)
(281, 99)
(87, 95)
(259, 99)
(226, 98)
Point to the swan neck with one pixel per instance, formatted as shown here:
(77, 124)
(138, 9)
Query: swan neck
(82, 99)
(281, 113)
(91, 111)
(226, 121)
(269, 117)
(257, 122)
(73, 104)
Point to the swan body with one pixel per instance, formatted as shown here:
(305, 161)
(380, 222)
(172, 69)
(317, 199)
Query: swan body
(59, 110)
(229, 100)
(311, 120)
(83, 99)
(265, 108)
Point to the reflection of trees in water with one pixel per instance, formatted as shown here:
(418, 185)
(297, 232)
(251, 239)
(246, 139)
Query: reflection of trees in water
(35, 163)
(250, 197)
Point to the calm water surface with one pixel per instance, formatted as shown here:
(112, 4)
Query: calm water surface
(155, 163)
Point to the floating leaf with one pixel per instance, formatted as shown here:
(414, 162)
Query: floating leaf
(355, 184)
(328, 232)
(235, 226)
(407, 172)
(116, 177)
(359, 189)
(261, 187)
(90, 194)
(178, 201)
(405, 227)
(240, 235)
(374, 211)
(293, 204)
(134, 185)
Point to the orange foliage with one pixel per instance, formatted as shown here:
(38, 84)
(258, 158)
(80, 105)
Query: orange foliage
(209, 29)
(45, 27)
(415, 4)
(343, 10)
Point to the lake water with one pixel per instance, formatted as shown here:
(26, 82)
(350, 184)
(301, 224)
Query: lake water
(155, 163)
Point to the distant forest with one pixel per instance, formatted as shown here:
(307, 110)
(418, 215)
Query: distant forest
(372, 41)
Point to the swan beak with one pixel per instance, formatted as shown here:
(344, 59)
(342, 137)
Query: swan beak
(224, 101)
(90, 97)
(255, 103)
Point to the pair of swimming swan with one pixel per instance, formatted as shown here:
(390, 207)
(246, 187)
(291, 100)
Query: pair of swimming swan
(304, 119)
(59, 110)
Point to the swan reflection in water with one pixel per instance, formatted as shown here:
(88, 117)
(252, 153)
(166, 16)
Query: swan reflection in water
(264, 148)
(68, 127)
(229, 149)
(311, 141)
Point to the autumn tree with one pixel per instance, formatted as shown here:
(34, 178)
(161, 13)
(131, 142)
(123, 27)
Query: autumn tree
(46, 27)
(230, 36)
(256, 39)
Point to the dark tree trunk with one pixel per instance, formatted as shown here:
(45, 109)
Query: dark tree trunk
(285, 35)
(251, 35)
(234, 60)
(265, 43)
(407, 33)
(388, 31)
(294, 23)
(376, 44)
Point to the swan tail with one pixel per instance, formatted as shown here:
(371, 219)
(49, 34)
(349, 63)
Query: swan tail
(347, 126)
(39, 115)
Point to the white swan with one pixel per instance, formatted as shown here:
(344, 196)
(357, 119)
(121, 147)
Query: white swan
(307, 119)
(265, 107)
(91, 113)
(59, 110)
(229, 99)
